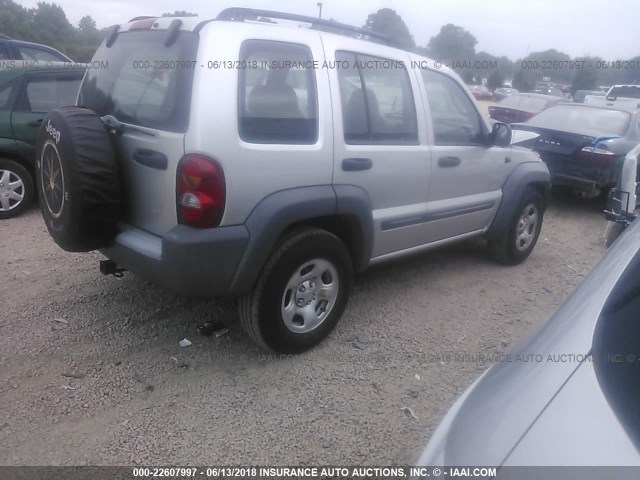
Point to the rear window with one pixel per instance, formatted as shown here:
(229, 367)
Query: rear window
(524, 103)
(144, 83)
(583, 120)
(626, 92)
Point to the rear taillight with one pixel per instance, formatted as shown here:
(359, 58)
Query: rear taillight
(597, 155)
(200, 191)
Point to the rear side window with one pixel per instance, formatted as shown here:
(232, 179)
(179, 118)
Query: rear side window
(144, 83)
(37, 54)
(277, 98)
(46, 93)
(377, 101)
(455, 119)
(5, 95)
(4, 54)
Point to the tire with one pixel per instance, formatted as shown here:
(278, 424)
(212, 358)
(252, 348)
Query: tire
(518, 240)
(77, 179)
(16, 189)
(272, 313)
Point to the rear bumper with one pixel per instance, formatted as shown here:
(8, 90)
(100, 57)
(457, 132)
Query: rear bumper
(584, 176)
(188, 261)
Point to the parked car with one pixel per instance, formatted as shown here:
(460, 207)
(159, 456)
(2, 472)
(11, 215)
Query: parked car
(503, 92)
(285, 179)
(11, 49)
(520, 107)
(564, 396)
(26, 95)
(583, 145)
(480, 92)
(625, 91)
(580, 95)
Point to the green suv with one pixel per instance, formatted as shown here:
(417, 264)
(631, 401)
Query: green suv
(27, 92)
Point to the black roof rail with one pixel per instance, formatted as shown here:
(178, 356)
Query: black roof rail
(241, 14)
(5, 37)
(142, 17)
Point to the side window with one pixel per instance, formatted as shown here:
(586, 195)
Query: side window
(4, 53)
(377, 101)
(44, 94)
(5, 96)
(455, 119)
(277, 97)
(68, 91)
(37, 54)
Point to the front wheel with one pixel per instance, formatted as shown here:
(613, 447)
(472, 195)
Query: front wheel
(16, 189)
(300, 294)
(516, 243)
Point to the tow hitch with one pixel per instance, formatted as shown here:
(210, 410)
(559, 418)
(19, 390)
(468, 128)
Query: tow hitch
(109, 267)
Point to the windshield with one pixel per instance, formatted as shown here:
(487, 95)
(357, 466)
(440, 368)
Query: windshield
(145, 83)
(524, 103)
(582, 120)
(626, 92)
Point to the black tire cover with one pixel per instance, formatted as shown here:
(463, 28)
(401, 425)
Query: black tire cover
(77, 179)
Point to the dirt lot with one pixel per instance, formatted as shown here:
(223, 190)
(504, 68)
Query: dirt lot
(142, 399)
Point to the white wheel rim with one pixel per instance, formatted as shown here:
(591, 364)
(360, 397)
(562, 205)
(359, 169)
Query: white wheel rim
(310, 295)
(12, 190)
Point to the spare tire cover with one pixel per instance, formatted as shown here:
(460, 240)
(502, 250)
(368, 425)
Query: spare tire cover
(77, 179)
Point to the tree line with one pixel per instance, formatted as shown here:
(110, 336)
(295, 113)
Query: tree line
(452, 45)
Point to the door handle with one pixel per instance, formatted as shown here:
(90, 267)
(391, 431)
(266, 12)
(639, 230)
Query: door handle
(356, 164)
(448, 162)
(35, 123)
(150, 158)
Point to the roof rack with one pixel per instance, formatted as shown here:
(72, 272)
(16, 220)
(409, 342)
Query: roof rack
(5, 37)
(238, 14)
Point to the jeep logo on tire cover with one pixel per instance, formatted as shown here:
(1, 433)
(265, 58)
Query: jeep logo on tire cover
(55, 133)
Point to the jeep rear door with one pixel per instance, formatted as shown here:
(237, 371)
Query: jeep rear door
(144, 95)
(379, 144)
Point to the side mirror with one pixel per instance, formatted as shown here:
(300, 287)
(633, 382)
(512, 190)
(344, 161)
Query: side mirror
(501, 134)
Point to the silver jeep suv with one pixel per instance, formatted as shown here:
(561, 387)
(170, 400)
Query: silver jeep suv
(236, 156)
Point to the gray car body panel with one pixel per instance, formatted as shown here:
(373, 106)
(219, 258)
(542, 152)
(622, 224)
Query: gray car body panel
(584, 425)
(524, 175)
(498, 411)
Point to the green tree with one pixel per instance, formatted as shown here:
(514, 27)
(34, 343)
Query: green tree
(545, 62)
(453, 43)
(87, 24)
(180, 13)
(51, 26)
(495, 80)
(585, 78)
(524, 80)
(389, 23)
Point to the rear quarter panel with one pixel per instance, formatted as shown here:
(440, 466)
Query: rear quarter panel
(252, 171)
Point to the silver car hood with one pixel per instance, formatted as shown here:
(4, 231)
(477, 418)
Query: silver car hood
(494, 414)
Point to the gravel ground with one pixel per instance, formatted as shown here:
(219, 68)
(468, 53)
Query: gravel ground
(132, 395)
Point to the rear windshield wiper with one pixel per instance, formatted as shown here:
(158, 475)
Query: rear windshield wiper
(117, 127)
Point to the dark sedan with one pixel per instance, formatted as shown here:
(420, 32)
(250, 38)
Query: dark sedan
(521, 107)
(583, 145)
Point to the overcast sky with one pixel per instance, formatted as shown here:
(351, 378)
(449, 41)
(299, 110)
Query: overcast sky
(502, 27)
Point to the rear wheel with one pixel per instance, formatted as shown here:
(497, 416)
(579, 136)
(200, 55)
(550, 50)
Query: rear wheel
(16, 189)
(300, 294)
(518, 240)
